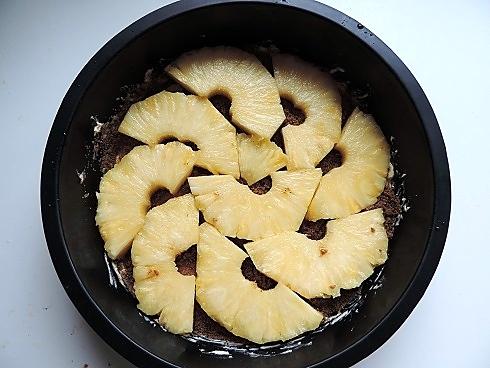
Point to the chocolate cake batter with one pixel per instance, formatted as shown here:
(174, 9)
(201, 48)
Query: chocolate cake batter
(110, 146)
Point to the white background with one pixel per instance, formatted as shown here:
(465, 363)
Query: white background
(44, 44)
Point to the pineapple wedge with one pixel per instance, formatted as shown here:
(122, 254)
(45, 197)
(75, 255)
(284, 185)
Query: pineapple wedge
(255, 102)
(343, 259)
(240, 305)
(314, 92)
(169, 229)
(125, 190)
(258, 157)
(361, 178)
(187, 118)
(238, 212)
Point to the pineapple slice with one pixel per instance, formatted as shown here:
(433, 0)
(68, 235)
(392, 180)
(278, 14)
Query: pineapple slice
(343, 259)
(315, 92)
(169, 229)
(238, 212)
(187, 118)
(255, 102)
(361, 178)
(125, 190)
(239, 304)
(258, 157)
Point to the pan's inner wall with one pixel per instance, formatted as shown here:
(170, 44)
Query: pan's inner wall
(292, 30)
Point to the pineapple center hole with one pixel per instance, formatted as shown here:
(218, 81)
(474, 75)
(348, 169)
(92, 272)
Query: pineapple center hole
(222, 103)
(190, 144)
(260, 187)
(252, 274)
(332, 160)
(294, 116)
(160, 196)
(314, 230)
(186, 261)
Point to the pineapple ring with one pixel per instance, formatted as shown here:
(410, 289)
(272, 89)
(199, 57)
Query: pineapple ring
(240, 305)
(124, 191)
(361, 178)
(255, 101)
(314, 92)
(238, 212)
(187, 118)
(169, 229)
(258, 157)
(343, 259)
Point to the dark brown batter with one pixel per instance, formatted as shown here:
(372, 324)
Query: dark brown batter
(293, 115)
(160, 196)
(222, 104)
(125, 268)
(260, 187)
(314, 230)
(390, 203)
(205, 326)
(186, 261)
(332, 160)
(251, 273)
(110, 146)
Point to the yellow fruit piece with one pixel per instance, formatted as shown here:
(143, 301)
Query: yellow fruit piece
(169, 230)
(239, 304)
(255, 102)
(343, 259)
(316, 93)
(187, 118)
(238, 212)
(258, 157)
(361, 178)
(125, 190)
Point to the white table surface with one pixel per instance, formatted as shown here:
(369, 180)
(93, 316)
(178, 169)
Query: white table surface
(44, 44)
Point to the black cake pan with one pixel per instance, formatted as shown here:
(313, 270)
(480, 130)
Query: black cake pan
(315, 32)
